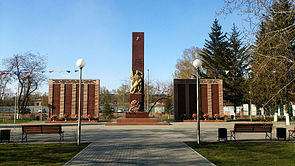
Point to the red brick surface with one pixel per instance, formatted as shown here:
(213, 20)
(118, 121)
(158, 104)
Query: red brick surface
(138, 51)
(136, 121)
(138, 63)
(204, 120)
(77, 98)
(204, 99)
(64, 97)
(68, 99)
(139, 120)
(215, 99)
(56, 99)
(136, 114)
(91, 99)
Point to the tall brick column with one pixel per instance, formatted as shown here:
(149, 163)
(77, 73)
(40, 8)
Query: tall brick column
(74, 104)
(62, 101)
(138, 65)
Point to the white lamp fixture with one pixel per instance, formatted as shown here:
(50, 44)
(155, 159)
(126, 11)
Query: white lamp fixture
(197, 63)
(80, 63)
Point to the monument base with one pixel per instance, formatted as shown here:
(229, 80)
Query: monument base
(204, 120)
(136, 118)
(136, 115)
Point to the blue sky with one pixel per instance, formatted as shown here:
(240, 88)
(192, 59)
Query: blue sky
(99, 31)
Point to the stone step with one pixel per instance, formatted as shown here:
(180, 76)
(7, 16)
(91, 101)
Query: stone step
(135, 123)
(138, 120)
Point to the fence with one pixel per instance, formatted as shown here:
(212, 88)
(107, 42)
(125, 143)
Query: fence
(7, 112)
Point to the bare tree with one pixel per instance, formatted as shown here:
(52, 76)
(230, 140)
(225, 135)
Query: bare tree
(5, 78)
(272, 28)
(257, 11)
(184, 66)
(27, 70)
(122, 95)
(161, 91)
(163, 87)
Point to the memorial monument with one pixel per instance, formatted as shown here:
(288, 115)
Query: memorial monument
(64, 95)
(136, 114)
(137, 70)
(211, 92)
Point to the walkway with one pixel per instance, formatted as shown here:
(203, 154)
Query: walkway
(137, 145)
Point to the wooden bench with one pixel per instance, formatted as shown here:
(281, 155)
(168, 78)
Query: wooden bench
(291, 133)
(252, 128)
(41, 129)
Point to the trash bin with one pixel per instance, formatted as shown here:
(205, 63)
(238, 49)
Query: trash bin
(5, 135)
(222, 134)
(281, 133)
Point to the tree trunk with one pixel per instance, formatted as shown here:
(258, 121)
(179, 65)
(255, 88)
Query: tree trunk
(235, 111)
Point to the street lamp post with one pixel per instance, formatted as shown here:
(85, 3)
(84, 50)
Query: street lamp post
(250, 106)
(197, 64)
(147, 96)
(15, 106)
(17, 93)
(41, 108)
(80, 63)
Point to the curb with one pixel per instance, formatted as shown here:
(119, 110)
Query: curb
(209, 162)
(77, 154)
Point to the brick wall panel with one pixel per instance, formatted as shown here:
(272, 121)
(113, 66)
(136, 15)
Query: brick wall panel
(204, 100)
(68, 99)
(56, 99)
(91, 99)
(215, 99)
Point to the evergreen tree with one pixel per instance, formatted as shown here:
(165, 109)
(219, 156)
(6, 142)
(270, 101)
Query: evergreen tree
(236, 88)
(107, 111)
(274, 56)
(214, 53)
(226, 59)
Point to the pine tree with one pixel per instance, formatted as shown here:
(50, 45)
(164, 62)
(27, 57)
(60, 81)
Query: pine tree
(226, 59)
(214, 53)
(107, 111)
(236, 88)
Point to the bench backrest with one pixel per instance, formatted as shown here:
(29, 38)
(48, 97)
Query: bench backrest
(31, 129)
(265, 127)
(51, 129)
(40, 129)
(240, 127)
(253, 127)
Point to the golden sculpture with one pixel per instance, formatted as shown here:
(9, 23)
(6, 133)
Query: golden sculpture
(136, 82)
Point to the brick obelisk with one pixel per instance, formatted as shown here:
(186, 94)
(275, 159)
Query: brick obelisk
(137, 74)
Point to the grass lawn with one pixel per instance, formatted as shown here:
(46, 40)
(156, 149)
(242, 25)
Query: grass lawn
(166, 118)
(251, 153)
(38, 154)
(18, 121)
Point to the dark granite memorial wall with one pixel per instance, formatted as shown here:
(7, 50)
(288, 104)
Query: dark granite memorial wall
(211, 96)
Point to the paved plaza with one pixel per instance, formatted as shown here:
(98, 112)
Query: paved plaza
(140, 145)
